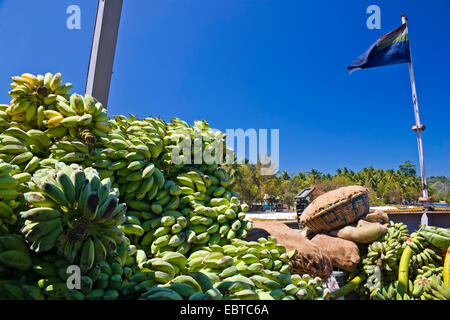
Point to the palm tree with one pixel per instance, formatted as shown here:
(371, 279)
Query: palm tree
(285, 176)
(234, 171)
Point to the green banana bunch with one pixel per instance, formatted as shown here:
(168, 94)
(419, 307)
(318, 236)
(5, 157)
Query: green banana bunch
(24, 149)
(390, 292)
(111, 277)
(14, 253)
(379, 266)
(434, 288)
(78, 116)
(16, 291)
(160, 270)
(423, 288)
(397, 231)
(75, 211)
(200, 140)
(105, 281)
(420, 255)
(438, 237)
(8, 195)
(126, 156)
(386, 251)
(425, 257)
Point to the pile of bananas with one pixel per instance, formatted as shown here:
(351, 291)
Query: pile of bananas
(69, 150)
(64, 164)
(242, 270)
(199, 141)
(426, 265)
(128, 161)
(192, 211)
(195, 219)
(424, 277)
(170, 204)
(416, 271)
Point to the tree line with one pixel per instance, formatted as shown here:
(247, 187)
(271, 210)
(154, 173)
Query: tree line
(401, 186)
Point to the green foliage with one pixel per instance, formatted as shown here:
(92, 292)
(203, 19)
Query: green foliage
(385, 186)
(440, 188)
(407, 168)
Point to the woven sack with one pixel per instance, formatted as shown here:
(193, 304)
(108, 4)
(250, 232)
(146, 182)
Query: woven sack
(335, 209)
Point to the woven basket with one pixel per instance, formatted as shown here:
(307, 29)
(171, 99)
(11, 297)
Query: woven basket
(336, 209)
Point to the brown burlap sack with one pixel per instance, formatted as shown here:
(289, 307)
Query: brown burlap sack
(363, 232)
(344, 254)
(377, 216)
(309, 259)
(336, 208)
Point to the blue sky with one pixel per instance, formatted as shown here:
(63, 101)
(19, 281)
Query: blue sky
(262, 64)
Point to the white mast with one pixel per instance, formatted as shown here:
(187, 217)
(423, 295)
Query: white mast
(418, 128)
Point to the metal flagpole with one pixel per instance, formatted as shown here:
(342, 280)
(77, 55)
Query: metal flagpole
(103, 49)
(418, 128)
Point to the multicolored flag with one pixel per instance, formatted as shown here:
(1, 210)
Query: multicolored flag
(391, 48)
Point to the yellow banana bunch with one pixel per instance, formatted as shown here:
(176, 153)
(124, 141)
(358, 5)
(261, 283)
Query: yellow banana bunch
(31, 96)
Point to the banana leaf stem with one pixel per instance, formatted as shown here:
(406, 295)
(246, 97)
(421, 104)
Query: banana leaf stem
(446, 272)
(349, 286)
(403, 271)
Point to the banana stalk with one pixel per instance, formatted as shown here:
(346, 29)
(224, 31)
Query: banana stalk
(446, 272)
(403, 271)
(349, 286)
